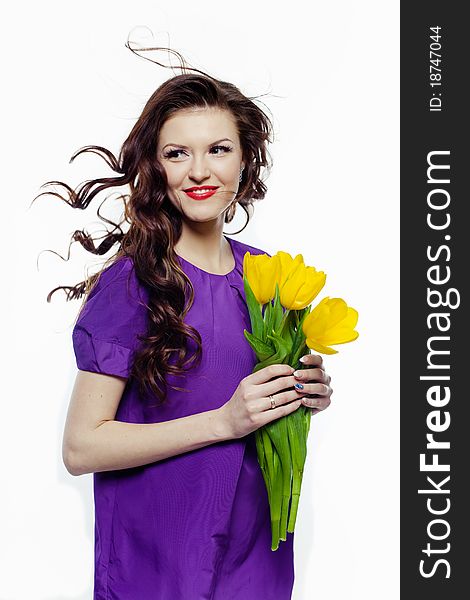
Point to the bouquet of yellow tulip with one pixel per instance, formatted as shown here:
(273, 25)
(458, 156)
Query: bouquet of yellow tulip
(272, 284)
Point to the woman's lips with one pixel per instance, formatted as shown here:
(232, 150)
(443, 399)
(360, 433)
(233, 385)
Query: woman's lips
(206, 193)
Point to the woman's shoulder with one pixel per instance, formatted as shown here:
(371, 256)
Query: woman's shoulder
(111, 320)
(112, 317)
(243, 248)
(119, 275)
(117, 269)
(116, 295)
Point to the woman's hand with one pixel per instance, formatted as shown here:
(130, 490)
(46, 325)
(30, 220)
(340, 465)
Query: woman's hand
(316, 383)
(259, 399)
(270, 393)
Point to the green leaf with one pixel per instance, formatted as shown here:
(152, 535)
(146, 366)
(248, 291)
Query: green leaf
(268, 320)
(298, 445)
(254, 308)
(298, 345)
(277, 310)
(276, 359)
(262, 461)
(281, 355)
(277, 431)
(307, 418)
(286, 328)
(276, 501)
(280, 344)
(262, 350)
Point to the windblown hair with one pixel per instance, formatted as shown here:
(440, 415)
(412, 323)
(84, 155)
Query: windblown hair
(155, 224)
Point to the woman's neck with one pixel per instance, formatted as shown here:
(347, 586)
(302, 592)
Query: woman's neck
(211, 252)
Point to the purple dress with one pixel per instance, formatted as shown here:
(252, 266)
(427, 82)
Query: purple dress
(193, 526)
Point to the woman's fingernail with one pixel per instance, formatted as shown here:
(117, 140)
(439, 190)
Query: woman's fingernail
(302, 359)
(297, 374)
(310, 402)
(299, 386)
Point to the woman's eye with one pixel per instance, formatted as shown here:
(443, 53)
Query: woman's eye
(224, 148)
(173, 153)
(218, 150)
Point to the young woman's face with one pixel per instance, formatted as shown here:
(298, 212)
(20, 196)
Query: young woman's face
(200, 148)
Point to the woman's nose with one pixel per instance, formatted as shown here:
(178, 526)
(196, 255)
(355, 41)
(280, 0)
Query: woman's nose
(199, 169)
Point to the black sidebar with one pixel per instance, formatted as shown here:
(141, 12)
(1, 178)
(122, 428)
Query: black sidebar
(435, 328)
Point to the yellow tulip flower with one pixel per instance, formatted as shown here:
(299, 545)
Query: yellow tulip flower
(262, 272)
(298, 284)
(288, 264)
(331, 322)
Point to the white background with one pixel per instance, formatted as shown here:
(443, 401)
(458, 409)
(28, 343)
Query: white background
(331, 74)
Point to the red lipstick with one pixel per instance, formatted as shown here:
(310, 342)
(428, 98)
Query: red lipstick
(201, 192)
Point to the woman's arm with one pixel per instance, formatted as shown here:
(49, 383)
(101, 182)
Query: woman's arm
(93, 441)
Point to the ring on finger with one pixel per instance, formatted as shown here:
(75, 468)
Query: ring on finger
(273, 402)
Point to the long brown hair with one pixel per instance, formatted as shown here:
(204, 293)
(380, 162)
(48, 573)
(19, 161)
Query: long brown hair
(155, 225)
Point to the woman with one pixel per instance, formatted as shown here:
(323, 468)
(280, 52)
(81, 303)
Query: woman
(181, 509)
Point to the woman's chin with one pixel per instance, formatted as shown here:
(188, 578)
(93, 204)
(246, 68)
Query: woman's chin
(197, 216)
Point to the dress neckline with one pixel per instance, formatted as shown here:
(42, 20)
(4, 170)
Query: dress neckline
(235, 258)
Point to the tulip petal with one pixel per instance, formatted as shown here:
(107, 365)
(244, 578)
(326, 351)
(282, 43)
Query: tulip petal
(300, 285)
(261, 271)
(342, 338)
(344, 330)
(331, 322)
(314, 345)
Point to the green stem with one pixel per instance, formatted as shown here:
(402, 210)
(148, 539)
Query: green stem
(272, 470)
(286, 495)
(297, 320)
(277, 431)
(296, 486)
(276, 503)
(282, 444)
(262, 461)
(284, 320)
(308, 417)
(298, 444)
(299, 467)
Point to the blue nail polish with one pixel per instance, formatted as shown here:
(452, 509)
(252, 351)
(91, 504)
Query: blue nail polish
(299, 386)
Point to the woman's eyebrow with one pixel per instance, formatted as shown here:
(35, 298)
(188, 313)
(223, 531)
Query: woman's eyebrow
(187, 147)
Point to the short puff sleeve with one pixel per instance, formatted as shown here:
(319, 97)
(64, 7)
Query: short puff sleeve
(114, 314)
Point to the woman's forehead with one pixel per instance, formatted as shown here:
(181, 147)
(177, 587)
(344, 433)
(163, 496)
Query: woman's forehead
(198, 126)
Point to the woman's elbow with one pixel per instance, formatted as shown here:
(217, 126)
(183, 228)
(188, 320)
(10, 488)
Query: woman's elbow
(73, 462)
